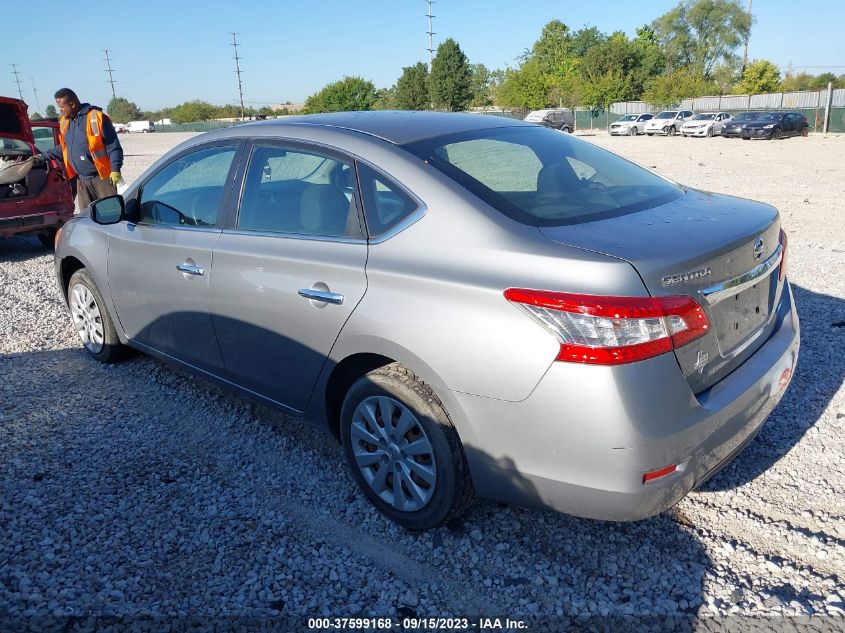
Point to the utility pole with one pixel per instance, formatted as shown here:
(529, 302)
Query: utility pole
(109, 71)
(745, 51)
(431, 34)
(238, 71)
(35, 94)
(17, 79)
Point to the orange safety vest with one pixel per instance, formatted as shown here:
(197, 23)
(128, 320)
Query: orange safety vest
(96, 146)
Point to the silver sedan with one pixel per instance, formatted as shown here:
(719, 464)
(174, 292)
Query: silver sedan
(471, 305)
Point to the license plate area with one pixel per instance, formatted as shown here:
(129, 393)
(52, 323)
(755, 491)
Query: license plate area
(738, 317)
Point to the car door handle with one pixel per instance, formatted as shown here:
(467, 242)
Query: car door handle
(320, 295)
(191, 269)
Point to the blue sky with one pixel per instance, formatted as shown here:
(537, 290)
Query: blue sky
(165, 53)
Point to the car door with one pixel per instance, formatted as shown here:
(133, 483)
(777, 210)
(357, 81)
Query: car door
(289, 269)
(160, 264)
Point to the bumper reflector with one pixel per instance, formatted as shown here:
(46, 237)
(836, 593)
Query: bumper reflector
(656, 474)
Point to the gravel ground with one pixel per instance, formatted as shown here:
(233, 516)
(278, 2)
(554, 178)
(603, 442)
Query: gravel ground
(139, 490)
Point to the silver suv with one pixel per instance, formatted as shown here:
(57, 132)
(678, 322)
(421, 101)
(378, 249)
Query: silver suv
(470, 304)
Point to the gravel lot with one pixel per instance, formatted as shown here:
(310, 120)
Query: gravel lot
(137, 489)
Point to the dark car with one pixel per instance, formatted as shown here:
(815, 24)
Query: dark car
(33, 200)
(734, 126)
(775, 125)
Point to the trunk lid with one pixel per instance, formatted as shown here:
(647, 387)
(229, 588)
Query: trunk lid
(720, 250)
(14, 123)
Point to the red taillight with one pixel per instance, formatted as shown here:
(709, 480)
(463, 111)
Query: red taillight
(657, 474)
(783, 244)
(613, 330)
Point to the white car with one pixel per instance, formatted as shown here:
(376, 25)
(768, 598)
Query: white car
(668, 122)
(705, 124)
(140, 126)
(630, 125)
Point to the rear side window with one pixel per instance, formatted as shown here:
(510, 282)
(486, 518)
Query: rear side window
(386, 204)
(300, 192)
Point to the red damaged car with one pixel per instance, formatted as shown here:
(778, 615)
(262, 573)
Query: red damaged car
(33, 200)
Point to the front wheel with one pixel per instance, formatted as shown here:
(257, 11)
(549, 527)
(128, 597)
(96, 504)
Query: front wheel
(402, 449)
(650, 133)
(775, 134)
(805, 131)
(671, 131)
(634, 131)
(91, 319)
(710, 132)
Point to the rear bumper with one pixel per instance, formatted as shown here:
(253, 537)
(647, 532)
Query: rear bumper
(581, 442)
(33, 222)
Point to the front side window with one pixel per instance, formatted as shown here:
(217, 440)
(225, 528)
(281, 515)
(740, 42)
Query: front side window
(188, 191)
(542, 178)
(298, 191)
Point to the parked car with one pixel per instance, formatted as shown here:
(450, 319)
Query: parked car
(33, 201)
(775, 125)
(705, 124)
(667, 122)
(734, 126)
(121, 128)
(630, 124)
(557, 118)
(140, 126)
(471, 304)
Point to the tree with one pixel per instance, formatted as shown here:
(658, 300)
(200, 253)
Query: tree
(122, 110)
(36, 116)
(760, 77)
(669, 89)
(412, 89)
(450, 77)
(348, 94)
(525, 88)
(386, 99)
(195, 110)
(700, 33)
(585, 39)
(51, 112)
(481, 82)
(553, 49)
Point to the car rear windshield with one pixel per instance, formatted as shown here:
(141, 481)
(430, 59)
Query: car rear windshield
(541, 177)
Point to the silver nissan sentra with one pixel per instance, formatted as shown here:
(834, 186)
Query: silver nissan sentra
(472, 305)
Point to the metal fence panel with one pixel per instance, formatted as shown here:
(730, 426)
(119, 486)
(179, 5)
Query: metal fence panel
(630, 107)
(804, 99)
(839, 98)
(701, 104)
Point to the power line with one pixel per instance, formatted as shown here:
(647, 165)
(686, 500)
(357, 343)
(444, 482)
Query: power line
(238, 71)
(431, 34)
(17, 79)
(35, 94)
(109, 71)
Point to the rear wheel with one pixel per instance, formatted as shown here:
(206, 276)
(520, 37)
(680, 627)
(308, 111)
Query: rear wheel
(650, 133)
(402, 449)
(91, 319)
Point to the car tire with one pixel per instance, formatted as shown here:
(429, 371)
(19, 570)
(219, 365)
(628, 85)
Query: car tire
(671, 131)
(437, 470)
(649, 133)
(710, 132)
(775, 134)
(805, 131)
(48, 239)
(565, 129)
(92, 320)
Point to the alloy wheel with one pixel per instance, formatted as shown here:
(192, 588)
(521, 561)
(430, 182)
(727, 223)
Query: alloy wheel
(393, 453)
(87, 318)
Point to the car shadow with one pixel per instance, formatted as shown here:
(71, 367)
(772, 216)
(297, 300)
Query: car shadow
(20, 248)
(822, 320)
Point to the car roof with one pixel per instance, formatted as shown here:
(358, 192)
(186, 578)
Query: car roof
(394, 126)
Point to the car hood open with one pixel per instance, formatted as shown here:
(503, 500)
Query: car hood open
(14, 122)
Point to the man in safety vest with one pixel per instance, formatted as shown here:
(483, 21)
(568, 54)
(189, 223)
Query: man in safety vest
(88, 147)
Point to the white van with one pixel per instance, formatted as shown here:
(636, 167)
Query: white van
(140, 126)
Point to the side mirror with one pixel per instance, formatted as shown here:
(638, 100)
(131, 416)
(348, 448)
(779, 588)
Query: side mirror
(108, 210)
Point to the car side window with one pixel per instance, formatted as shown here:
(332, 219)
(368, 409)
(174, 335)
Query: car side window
(189, 190)
(385, 203)
(43, 136)
(300, 192)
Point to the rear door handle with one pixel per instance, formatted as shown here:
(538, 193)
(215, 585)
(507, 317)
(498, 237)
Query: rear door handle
(191, 269)
(320, 295)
